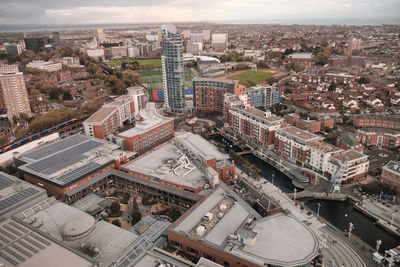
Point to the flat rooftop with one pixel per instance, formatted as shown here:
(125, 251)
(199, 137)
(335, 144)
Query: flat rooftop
(393, 166)
(25, 247)
(101, 114)
(262, 114)
(158, 257)
(150, 119)
(324, 147)
(349, 155)
(281, 240)
(16, 194)
(199, 146)
(299, 133)
(80, 231)
(66, 161)
(221, 80)
(237, 229)
(169, 163)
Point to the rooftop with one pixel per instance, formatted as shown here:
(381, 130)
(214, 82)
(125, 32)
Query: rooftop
(101, 114)
(221, 80)
(349, 155)
(394, 166)
(157, 257)
(150, 119)
(26, 247)
(65, 161)
(80, 231)
(224, 221)
(299, 133)
(169, 163)
(16, 195)
(301, 55)
(324, 147)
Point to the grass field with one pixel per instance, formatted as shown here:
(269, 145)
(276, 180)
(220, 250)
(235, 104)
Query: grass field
(154, 78)
(255, 76)
(156, 62)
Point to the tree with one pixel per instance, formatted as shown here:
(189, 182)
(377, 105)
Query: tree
(332, 87)
(66, 51)
(116, 223)
(67, 96)
(136, 217)
(364, 79)
(115, 208)
(131, 78)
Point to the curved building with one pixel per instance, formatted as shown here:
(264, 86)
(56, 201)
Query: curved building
(172, 68)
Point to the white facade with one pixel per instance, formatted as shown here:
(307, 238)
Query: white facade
(99, 52)
(45, 65)
(138, 94)
(350, 163)
(318, 155)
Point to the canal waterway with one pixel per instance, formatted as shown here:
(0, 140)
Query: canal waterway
(268, 171)
(333, 211)
(341, 213)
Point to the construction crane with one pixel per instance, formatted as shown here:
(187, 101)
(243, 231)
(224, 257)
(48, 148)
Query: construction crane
(337, 178)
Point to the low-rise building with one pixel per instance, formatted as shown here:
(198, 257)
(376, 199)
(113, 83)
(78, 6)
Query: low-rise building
(39, 104)
(377, 121)
(223, 228)
(187, 162)
(380, 137)
(349, 166)
(150, 129)
(304, 59)
(60, 166)
(247, 121)
(391, 174)
(44, 65)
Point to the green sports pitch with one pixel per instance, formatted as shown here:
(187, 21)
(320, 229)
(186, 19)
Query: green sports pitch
(156, 62)
(255, 76)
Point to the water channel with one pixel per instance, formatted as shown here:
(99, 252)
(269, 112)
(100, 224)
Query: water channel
(333, 211)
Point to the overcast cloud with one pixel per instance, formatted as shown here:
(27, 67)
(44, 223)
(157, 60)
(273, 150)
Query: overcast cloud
(141, 11)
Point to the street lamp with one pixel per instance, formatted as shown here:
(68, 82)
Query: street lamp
(391, 222)
(319, 205)
(351, 226)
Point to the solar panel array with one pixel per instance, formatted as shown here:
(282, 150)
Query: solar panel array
(18, 197)
(55, 147)
(23, 245)
(5, 181)
(70, 176)
(64, 158)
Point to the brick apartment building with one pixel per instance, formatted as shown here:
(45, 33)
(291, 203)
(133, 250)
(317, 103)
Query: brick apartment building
(313, 126)
(292, 143)
(391, 174)
(380, 137)
(104, 123)
(150, 129)
(208, 93)
(247, 121)
(377, 121)
(39, 104)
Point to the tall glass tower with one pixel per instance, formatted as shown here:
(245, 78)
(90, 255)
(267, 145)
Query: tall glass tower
(172, 68)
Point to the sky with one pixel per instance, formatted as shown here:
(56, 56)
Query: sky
(55, 12)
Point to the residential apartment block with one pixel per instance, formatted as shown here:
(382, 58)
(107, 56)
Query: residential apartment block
(377, 121)
(391, 174)
(13, 95)
(313, 126)
(292, 143)
(45, 65)
(249, 122)
(350, 166)
(150, 129)
(110, 117)
(380, 137)
(208, 93)
(262, 96)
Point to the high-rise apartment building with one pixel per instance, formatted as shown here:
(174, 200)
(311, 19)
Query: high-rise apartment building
(196, 38)
(172, 68)
(13, 94)
(206, 35)
(219, 42)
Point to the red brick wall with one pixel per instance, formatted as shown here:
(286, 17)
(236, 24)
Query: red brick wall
(99, 132)
(220, 256)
